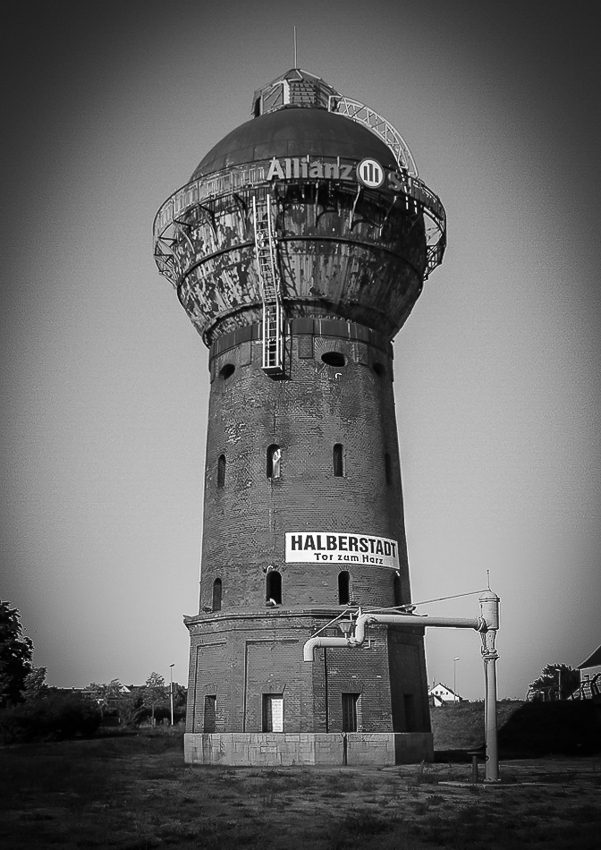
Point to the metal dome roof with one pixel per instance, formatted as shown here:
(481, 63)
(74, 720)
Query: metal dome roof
(295, 131)
(340, 243)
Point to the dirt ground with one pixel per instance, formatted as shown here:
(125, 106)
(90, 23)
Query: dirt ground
(134, 792)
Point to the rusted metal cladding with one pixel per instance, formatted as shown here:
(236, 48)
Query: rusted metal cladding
(344, 250)
(334, 261)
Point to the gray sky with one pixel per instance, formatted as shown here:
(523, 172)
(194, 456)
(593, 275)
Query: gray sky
(108, 108)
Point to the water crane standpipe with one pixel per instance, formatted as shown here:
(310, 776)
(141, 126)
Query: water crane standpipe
(487, 624)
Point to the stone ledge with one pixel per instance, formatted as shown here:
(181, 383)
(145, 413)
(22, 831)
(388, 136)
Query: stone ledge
(354, 748)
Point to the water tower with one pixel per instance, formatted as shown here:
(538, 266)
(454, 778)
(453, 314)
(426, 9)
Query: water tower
(298, 249)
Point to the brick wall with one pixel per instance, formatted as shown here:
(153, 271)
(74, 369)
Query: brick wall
(318, 406)
(240, 657)
(246, 648)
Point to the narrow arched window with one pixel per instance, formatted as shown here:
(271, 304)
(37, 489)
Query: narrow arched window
(338, 460)
(217, 594)
(273, 588)
(221, 471)
(398, 590)
(388, 468)
(344, 588)
(274, 461)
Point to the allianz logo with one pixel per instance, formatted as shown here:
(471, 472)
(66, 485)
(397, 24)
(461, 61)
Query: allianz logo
(368, 172)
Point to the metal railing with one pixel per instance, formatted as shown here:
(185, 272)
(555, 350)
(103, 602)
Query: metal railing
(362, 114)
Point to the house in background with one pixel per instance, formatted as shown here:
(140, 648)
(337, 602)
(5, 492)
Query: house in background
(439, 694)
(590, 678)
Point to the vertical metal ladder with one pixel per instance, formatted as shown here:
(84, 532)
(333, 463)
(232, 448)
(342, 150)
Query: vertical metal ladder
(265, 251)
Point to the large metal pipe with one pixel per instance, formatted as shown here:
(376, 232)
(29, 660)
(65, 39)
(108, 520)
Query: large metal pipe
(489, 606)
(318, 642)
(487, 624)
(363, 620)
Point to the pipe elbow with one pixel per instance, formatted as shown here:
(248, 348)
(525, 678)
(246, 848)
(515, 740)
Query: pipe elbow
(309, 648)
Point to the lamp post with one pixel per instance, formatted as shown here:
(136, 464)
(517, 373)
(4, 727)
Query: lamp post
(171, 666)
(558, 671)
(455, 660)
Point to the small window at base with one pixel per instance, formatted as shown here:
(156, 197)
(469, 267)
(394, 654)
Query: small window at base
(209, 713)
(273, 713)
(350, 703)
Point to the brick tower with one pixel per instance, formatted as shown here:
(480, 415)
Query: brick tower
(298, 249)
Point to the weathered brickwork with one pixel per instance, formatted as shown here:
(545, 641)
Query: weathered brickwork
(408, 680)
(244, 646)
(246, 518)
(238, 658)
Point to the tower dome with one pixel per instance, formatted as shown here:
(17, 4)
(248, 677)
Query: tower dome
(295, 132)
(354, 232)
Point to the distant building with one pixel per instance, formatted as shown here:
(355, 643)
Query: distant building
(439, 694)
(102, 692)
(590, 677)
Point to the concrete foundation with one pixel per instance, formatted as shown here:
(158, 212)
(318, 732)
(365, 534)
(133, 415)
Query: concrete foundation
(278, 748)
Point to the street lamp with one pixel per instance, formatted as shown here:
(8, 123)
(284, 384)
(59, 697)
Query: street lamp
(557, 669)
(171, 666)
(455, 660)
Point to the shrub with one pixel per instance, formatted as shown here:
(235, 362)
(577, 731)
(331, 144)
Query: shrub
(53, 717)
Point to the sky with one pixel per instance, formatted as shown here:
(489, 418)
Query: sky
(107, 109)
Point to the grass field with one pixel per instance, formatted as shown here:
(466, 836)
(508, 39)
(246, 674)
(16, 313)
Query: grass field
(134, 792)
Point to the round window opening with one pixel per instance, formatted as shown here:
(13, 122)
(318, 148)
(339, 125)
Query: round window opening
(334, 358)
(227, 371)
(379, 370)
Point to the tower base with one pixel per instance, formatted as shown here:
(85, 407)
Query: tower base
(250, 749)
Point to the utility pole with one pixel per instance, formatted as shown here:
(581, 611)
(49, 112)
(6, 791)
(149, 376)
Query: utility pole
(455, 660)
(171, 666)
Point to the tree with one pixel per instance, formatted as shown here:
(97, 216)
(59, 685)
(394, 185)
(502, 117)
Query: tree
(106, 691)
(155, 692)
(556, 681)
(180, 701)
(180, 695)
(35, 684)
(15, 656)
(53, 715)
(131, 707)
(106, 694)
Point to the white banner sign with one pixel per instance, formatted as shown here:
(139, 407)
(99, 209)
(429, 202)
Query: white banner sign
(310, 547)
